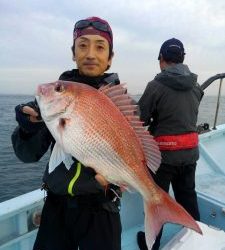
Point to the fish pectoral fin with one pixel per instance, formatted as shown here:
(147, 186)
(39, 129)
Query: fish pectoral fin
(68, 161)
(58, 155)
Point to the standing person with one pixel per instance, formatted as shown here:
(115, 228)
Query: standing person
(169, 106)
(81, 208)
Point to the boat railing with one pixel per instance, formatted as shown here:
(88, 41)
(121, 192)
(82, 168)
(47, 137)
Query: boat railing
(206, 84)
(17, 220)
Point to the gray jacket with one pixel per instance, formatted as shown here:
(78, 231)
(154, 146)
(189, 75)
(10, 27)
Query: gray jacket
(169, 105)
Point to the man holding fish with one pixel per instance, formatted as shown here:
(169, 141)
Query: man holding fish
(92, 123)
(81, 208)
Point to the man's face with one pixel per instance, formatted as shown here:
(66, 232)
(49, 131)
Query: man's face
(92, 55)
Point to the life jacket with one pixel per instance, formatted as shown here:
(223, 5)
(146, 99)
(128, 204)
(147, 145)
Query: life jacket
(177, 142)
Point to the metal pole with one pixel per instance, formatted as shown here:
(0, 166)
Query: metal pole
(218, 104)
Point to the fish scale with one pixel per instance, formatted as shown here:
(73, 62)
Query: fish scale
(95, 155)
(123, 140)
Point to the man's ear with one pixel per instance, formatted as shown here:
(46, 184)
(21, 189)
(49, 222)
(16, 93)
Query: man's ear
(73, 53)
(110, 60)
(112, 55)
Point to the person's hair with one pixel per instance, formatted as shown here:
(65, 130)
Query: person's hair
(172, 51)
(170, 57)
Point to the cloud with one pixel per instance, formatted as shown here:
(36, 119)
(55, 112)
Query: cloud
(37, 35)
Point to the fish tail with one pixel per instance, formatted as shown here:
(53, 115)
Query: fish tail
(159, 213)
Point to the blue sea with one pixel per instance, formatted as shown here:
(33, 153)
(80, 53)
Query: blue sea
(17, 178)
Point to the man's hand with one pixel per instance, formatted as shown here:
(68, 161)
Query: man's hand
(112, 192)
(31, 112)
(101, 179)
(28, 117)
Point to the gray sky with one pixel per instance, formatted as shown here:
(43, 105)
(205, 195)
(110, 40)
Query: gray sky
(36, 36)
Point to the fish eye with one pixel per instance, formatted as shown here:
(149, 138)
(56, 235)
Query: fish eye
(59, 87)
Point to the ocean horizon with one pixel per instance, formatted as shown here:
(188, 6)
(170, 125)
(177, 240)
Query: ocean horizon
(17, 178)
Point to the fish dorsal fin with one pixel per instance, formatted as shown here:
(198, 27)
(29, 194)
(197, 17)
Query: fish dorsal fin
(129, 108)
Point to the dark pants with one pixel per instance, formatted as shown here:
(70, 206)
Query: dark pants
(66, 226)
(182, 179)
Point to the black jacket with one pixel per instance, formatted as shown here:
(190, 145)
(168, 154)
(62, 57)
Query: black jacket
(30, 147)
(169, 106)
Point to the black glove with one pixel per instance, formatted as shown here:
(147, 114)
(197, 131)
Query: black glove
(24, 119)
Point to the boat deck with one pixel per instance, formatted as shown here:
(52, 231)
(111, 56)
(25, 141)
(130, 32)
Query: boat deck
(18, 233)
(210, 186)
(210, 173)
(212, 154)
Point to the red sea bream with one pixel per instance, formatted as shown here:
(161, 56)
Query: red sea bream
(100, 128)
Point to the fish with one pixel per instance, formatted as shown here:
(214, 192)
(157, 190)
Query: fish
(101, 128)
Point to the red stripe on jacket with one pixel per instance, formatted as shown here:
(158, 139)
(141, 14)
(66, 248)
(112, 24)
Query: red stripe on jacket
(177, 142)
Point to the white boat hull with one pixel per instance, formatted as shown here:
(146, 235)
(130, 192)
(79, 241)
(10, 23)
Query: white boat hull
(17, 231)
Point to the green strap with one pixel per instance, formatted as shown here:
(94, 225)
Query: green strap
(70, 186)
